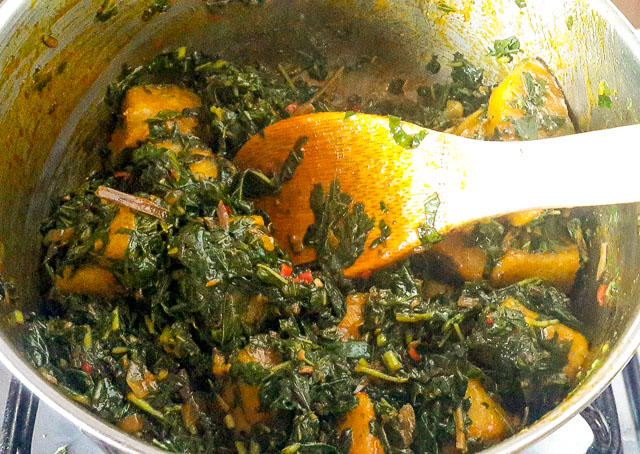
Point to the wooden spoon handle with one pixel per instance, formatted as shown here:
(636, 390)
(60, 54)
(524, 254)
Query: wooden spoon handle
(588, 169)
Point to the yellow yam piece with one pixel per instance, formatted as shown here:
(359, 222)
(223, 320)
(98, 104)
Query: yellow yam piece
(523, 217)
(204, 169)
(358, 420)
(469, 261)
(563, 334)
(353, 318)
(258, 220)
(88, 280)
(119, 242)
(558, 268)
(505, 106)
(487, 416)
(472, 126)
(144, 102)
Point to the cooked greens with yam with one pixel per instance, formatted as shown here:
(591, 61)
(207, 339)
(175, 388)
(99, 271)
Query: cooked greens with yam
(172, 313)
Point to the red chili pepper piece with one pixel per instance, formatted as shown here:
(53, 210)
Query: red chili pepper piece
(601, 294)
(414, 354)
(87, 368)
(172, 173)
(305, 277)
(122, 174)
(285, 270)
(489, 320)
(228, 208)
(365, 274)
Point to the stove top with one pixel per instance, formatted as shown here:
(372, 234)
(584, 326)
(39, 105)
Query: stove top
(609, 426)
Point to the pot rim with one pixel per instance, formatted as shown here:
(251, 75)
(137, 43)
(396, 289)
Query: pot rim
(92, 425)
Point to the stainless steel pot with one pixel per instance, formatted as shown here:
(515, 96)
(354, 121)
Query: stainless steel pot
(56, 59)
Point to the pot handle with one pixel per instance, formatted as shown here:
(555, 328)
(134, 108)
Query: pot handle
(19, 419)
(602, 417)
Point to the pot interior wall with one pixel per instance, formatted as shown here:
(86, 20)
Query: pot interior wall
(50, 98)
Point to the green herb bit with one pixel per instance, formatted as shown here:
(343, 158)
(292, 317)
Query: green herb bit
(385, 233)
(434, 65)
(504, 49)
(108, 9)
(383, 207)
(19, 318)
(145, 406)
(155, 7)
(87, 340)
(241, 448)
(427, 231)
(291, 449)
(414, 318)
(381, 375)
(381, 340)
(392, 361)
(446, 8)
(62, 450)
(521, 3)
(604, 95)
(115, 321)
(540, 323)
(401, 137)
(270, 276)
(348, 114)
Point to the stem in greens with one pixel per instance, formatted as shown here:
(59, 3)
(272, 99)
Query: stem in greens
(381, 375)
(144, 405)
(540, 323)
(413, 318)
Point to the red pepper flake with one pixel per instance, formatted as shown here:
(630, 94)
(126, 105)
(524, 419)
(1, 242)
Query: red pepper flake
(87, 368)
(172, 173)
(157, 44)
(228, 208)
(365, 274)
(489, 320)
(414, 354)
(215, 17)
(122, 174)
(304, 277)
(601, 294)
(291, 108)
(285, 270)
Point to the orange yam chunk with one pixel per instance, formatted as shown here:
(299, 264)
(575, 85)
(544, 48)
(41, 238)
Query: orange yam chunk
(487, 416)
(144, 102)
(353, 318)
(358, 420)
(578, 351)
(88, 280)
(469, 261)
(119, 242)
(579, 345)
(247, 413)
(503, 107)
(559, 268)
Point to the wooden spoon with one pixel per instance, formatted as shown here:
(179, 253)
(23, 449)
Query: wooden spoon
(473, 179)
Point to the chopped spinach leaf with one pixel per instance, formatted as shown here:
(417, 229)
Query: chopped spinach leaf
(340, 230)
(385, 232)
(401, 137)
(427, 231)
(504, 49)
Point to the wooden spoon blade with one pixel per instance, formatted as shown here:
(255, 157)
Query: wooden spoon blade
(370, 165)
